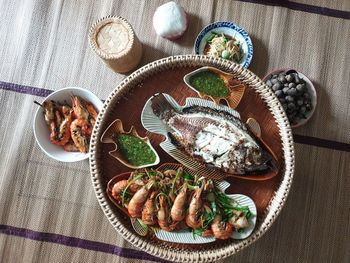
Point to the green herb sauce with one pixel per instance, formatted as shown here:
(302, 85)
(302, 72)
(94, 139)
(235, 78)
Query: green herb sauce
(135, 150)
(210, 84)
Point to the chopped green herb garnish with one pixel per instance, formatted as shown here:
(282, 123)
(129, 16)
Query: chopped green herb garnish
(211, 36)
(124, 197)
(210, 84)
(188, 177)
(178, 173)
(151, 173)
(135, 150)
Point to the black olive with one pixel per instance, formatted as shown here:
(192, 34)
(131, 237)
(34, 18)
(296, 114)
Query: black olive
(300, 87)
(277, 86)
(282, 100)
(282, 78)
(292, 92)
(291, 106)
(291, 85)
(274, 81)
(279, 93)
(292, 119)
(300, 116)
(300, 102)
(289, 78)
(269, 83)
(302, 109)
(289, 98)
(285, 90)
(291, 71)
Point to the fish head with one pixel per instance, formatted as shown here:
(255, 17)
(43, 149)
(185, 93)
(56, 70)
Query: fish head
(259, 160)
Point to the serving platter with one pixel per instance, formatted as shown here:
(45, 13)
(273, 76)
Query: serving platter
(153, 124)
(166, 76)
(184, 236)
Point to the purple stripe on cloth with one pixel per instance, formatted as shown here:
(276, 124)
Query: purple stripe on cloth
(303, 7)
(25, 89)
(78, 242)
(334, 145)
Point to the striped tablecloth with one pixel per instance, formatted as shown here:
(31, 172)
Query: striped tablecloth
(48, 210)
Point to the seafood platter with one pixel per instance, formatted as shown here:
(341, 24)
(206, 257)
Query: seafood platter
(191, 153)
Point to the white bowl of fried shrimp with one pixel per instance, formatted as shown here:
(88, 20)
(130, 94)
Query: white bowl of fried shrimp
(64, 121)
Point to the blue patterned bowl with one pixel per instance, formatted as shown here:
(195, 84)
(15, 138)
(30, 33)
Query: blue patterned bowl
(230, 29)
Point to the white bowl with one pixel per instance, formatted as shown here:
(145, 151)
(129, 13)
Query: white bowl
(42, 131)
(310, 87)
(230, 29)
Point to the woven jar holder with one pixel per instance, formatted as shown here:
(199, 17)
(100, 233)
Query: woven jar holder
(114, 41)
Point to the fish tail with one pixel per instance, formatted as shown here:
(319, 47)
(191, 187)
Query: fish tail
(272, 162)
(155, 113)
(160, 105)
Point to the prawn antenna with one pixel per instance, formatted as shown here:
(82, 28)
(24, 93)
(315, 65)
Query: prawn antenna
(38, 103)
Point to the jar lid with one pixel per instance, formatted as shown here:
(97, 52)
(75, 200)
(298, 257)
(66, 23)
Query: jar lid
(111, 37)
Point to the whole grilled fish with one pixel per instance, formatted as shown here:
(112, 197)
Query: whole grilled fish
(211, 136)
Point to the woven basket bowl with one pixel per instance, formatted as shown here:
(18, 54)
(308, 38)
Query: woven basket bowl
(217, 250)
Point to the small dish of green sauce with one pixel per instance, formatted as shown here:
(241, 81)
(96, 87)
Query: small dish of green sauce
(210, 84)
(135, 150)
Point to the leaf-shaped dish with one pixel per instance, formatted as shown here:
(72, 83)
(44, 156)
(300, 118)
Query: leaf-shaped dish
(110, 135)
(154, 124)
(234, 88)
(185, 236)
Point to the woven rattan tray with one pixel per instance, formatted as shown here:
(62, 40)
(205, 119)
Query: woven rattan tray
(166, 75)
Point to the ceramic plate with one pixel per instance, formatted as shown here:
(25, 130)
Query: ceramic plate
(230, 29)
(153, 124)
(42, 131)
